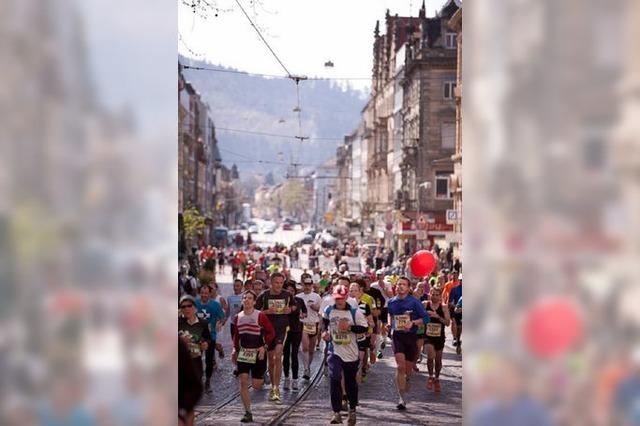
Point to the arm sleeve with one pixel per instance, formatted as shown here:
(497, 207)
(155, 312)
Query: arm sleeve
(268, 328)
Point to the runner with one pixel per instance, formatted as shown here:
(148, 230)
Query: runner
(221, 261)
(365, 303)
(213, 288)
(278, 304)
(379, 300)
(255, 334)
(309, 323)
(211, 312)
(454, 297)
(341, 324)
(405, 313)
(294, 337)
(453, 282)
(387, 293)
(193, 331)
(439, 319)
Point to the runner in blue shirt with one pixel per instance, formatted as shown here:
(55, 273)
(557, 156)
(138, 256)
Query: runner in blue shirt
(405, 314)
(210, 311)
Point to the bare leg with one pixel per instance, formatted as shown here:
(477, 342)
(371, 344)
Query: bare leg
(244, 391)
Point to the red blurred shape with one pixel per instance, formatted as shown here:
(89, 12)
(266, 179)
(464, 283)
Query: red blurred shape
(422, 263)
(552, 327)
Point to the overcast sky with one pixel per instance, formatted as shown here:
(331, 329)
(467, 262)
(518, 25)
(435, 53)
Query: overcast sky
(303, 33)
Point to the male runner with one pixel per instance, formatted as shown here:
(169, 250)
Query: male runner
(210, 312)
(379, 300)
(365, 303)
(194, 332)
(254, 334)
(309, 324)
(294, 337)
(277, 304)
(405, 314)
(439, 319)
(341, 324)
(454, 296)
(387, 293)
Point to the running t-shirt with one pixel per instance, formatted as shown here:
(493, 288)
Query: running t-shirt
(365, 308)
(455, 295)
(210, 312)
(405, 310)
(377, 297)
(381, 289)
(250, 329)
(266, 300)
(311, 299)
(193, 335)
(343, 344)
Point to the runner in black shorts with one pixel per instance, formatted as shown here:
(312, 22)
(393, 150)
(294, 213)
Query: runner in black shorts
(439, 319)
(405, 314)
(277, 304)
(363, 339)
(254, 333)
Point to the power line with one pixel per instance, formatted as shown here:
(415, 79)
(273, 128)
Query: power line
(263, 39)
(255, 74)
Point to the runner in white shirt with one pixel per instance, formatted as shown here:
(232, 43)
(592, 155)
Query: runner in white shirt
(342, 323)
(309, 324)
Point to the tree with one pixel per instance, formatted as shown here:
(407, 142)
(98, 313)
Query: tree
(194, 222)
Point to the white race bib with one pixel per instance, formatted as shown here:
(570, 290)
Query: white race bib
(309, 328)
(248, 356)
(434, 329)
(402, 321)
(340, 337)
(278, 305)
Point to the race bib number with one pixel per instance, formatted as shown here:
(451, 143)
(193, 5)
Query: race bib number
(434, 330)
(402, 321)
(340, 337)
(248, 356)
(309, 328)
(278, 305)
(195, 350)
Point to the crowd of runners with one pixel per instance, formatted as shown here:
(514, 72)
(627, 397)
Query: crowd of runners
(345, 318)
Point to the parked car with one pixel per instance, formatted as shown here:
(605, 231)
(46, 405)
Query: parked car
(269, 227)
(325, 239)
(306, 239)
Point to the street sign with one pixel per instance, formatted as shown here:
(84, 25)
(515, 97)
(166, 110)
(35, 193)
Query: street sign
(452, 217)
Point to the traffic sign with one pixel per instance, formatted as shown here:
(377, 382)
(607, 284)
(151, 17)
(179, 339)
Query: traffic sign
(452, 217)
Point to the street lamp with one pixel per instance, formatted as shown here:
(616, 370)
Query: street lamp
(425, 185)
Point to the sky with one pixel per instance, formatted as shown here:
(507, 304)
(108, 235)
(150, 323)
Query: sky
(303, 33)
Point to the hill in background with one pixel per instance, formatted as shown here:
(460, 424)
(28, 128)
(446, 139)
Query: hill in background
(261, 104)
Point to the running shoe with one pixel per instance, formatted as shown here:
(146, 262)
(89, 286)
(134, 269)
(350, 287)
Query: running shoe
(430, 383)
(247, 418)
(277, 397)
(287, 383)
(436, 385)
(351, 419)
(307, 374)
(272, 394)
(294, 385)
(336, 419)
(379, 354)
(401, 405)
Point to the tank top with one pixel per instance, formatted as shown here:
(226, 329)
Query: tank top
(435, 327)
(249, 330)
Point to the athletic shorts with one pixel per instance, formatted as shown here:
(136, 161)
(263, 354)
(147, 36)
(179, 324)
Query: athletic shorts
(281, 336)
(458, 318)
(255, 370)
(436, 342)
(364, 344)
(405, 343)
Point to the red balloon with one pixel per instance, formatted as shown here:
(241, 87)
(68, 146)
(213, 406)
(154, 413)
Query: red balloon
(552, 327)
(422, 263)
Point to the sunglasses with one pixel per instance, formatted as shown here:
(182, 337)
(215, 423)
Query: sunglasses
(186, 306)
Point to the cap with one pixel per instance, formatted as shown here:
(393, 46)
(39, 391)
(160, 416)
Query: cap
(340, 292)
(380, 272)
(188, 298)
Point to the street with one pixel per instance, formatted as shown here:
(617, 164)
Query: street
(311, 406)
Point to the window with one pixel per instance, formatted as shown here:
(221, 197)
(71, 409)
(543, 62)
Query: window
(442, 185)
(448, 131)
(450, 40)
(448, 89)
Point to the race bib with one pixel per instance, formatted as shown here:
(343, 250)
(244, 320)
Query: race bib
(434, 329)
(340, 337)
(402, 321)
(309, 328)
(195, 350)
(278, 305)
(248, 356)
